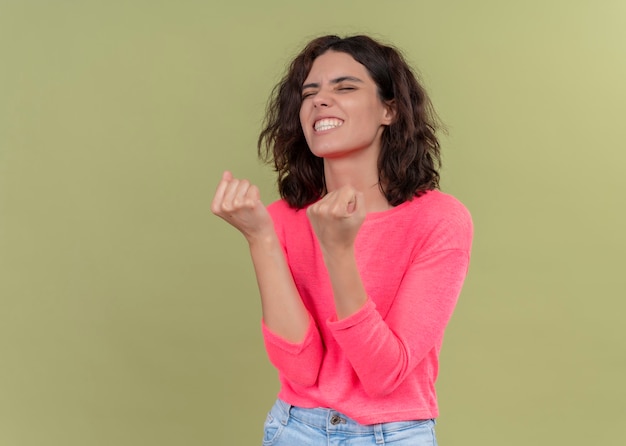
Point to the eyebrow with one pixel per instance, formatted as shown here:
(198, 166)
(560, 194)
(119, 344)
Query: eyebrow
(337, 80)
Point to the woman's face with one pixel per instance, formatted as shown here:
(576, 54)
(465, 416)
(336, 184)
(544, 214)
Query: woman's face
(341, 112)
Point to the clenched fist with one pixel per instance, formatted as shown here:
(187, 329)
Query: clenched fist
(337, 217)
(239, 203)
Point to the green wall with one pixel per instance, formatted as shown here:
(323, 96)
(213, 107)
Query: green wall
(129, 314)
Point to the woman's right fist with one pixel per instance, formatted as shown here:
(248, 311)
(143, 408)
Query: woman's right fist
(239, 203)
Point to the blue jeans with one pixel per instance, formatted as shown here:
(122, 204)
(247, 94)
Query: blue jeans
(287, 425)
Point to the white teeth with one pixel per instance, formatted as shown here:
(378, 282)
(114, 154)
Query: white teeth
(327, 124)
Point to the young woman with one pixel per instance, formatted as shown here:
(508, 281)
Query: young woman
(361, 262)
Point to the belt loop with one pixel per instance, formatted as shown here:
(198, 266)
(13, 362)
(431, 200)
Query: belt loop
(285, 412)
(378, 433)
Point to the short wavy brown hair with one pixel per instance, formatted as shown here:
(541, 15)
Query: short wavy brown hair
(410, 158)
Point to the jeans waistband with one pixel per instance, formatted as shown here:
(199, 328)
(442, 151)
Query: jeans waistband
(331, 420)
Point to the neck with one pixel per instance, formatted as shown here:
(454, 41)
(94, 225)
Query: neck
(361, 176)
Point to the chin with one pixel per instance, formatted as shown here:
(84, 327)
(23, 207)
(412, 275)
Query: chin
(328, 150)
(328, 153)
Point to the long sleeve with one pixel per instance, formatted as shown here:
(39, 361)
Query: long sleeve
(299, 362)
(384, 352)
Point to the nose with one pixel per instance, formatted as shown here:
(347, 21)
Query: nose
(322, 99)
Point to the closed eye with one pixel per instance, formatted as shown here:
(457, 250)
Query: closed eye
(346, 88)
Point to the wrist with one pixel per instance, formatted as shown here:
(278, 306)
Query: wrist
(339, 255)
(263, 240)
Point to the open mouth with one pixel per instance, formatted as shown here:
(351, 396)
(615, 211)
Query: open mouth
(327, 124)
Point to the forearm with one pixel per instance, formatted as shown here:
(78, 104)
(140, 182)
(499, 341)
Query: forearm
(348, 289)
(283, 310)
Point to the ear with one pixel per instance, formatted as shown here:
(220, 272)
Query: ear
(389, 114)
